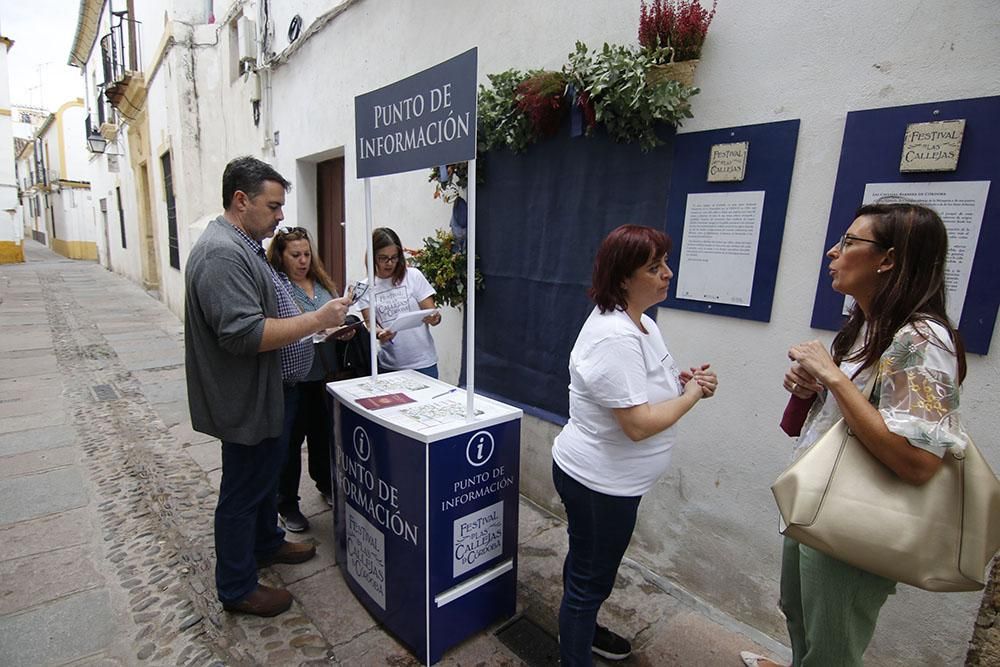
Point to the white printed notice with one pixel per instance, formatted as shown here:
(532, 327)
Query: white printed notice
(961, 205)
(478, 538)
(366, 555)
(719, 248)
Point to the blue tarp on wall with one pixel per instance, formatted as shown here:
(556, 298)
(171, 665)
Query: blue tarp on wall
(540, 217)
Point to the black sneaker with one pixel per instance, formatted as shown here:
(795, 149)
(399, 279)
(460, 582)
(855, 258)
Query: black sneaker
(610, 645)
(292, 519)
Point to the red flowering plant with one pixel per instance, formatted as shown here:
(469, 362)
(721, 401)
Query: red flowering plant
(678, 24)
(542, 98)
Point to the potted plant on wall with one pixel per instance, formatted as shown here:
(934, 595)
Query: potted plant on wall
(612, 87)
(675, 31)
(442, 260)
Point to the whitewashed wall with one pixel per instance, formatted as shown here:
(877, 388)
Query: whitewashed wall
(710, 524)
(104, 181)
(9, 217)
(70, 121)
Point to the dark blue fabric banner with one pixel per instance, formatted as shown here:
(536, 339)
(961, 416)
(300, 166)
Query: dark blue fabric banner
(423, 120)
(540, 217)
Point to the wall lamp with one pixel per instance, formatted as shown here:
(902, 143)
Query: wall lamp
(97, 143)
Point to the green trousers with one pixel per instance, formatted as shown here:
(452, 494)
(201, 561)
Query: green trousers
(830, 607)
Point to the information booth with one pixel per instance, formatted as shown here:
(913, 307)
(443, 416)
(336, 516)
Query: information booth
(427, 507)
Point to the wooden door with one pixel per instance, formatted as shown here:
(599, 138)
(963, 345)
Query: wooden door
(330, 218)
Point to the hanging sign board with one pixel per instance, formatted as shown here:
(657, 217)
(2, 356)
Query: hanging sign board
(932, 146)
(728, 162)
(418, 122)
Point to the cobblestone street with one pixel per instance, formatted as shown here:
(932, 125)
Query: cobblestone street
(106, 502)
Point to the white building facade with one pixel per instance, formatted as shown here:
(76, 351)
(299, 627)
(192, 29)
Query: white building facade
(11, 234)
(278, 80)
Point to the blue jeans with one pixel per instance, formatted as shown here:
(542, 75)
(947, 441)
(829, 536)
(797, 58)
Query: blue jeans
(600, 527)
(246, 517)
(431, 371)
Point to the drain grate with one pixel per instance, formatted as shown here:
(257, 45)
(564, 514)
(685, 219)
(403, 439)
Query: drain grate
(530, 642)
(104, 392)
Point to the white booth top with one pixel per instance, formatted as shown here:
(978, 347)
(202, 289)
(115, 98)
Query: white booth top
(418, 406)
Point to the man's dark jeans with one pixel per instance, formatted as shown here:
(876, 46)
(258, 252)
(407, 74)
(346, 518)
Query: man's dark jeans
(600, 527)
(246, 518)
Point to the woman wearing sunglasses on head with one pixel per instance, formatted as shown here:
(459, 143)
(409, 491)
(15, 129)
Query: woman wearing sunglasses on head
(399, 289)
(891, 260)
(291, 253)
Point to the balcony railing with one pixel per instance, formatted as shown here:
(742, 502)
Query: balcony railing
(120, 58)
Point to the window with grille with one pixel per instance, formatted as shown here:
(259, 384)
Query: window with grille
(168, 195)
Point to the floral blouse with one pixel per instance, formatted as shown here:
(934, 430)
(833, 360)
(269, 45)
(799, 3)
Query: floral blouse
(917, 393)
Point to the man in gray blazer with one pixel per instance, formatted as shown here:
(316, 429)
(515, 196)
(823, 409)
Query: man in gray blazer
(244, 353)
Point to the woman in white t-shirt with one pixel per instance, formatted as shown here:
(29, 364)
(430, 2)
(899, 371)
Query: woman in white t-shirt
(625, 395)
(400, 289)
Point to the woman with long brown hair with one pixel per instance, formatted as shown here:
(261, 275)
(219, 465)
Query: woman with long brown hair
(291, 252)
(891, 260)
(400, 288)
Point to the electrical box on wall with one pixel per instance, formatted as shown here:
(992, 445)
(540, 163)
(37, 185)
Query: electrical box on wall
(246, 36)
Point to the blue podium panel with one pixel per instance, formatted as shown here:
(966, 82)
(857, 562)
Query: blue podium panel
(381, 500)
(473, 495)
(427, 510)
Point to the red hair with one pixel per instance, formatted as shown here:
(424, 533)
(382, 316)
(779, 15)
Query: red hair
(623, 251)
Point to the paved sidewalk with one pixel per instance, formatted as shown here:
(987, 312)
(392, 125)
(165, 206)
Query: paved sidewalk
(106, 501)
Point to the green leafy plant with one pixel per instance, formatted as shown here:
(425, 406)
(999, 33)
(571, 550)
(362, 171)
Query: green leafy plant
(501, 123)
(444, 268)
(616, 88)
(611, 86)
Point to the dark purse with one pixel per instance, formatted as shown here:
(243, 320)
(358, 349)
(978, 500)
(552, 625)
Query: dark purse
(350, 358)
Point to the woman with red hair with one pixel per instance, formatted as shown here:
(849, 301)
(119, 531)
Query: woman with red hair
(625, 395)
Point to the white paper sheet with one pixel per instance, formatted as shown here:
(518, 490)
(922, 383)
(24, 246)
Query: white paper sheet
(961, 205)
(719, 249)
(409, 319)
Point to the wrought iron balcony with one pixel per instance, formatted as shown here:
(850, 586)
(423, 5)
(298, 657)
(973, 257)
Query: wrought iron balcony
(120, 58)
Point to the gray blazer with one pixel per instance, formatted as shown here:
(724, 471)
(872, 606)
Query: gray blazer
(234, 391)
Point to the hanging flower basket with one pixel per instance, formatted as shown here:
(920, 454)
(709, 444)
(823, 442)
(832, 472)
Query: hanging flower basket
(681, 72)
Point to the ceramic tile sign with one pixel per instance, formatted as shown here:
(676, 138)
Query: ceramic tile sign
(728, 162)
(932, 146)
(478, 538)
(366, 555)
(423, 120)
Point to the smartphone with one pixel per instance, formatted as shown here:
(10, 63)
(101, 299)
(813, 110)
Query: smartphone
(357, 290)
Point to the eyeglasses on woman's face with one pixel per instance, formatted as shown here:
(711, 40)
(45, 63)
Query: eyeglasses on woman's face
(847, 239)
(387, 260)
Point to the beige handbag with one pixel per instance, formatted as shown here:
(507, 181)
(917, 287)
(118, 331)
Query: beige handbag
(940, 536)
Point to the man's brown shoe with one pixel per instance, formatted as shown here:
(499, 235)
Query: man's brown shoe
(289, 552)
(263, 601)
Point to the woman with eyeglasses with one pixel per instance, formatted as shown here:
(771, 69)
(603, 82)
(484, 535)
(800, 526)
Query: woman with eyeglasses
(891, 261)
(399, 289)
(291, 253)
(626, 393)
